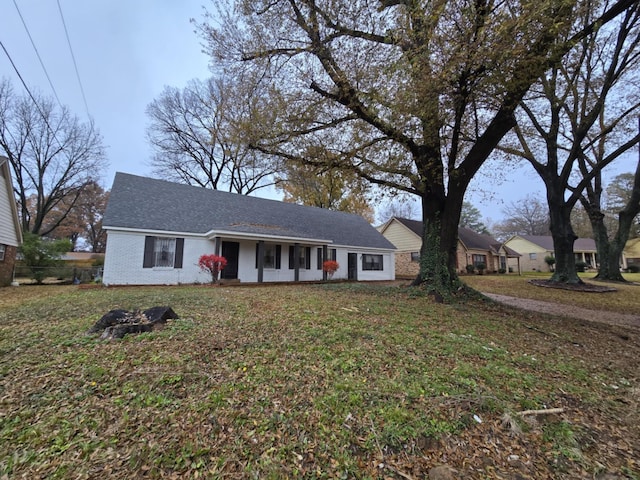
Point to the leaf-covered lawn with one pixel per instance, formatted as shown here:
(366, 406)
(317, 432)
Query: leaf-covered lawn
(314, 381)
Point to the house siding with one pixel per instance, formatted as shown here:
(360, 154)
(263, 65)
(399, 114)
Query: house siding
(403, 238)
(525, 248)
(125, 252)
(8, 233)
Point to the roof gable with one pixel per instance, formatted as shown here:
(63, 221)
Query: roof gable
(157, 205)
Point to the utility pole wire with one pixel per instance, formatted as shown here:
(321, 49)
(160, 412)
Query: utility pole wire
(35, 102)
(75, 65)
(37, 54)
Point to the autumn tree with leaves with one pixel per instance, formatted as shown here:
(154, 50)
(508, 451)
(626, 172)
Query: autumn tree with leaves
(333, 189)
(411, 96)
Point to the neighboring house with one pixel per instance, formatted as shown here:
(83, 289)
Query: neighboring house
(473, 248)
(534, 249)
(631, 253)
(10, 231)
(157, 231)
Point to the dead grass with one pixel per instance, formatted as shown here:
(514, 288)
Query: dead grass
(317, 381)
(624, 300)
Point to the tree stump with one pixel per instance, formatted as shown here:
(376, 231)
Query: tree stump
(118, 323)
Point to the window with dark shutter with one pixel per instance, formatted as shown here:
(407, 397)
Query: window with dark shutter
(164, 252)
(291, 257)
(179, 253)
(307, 258)
(149, 243)
(320, 258)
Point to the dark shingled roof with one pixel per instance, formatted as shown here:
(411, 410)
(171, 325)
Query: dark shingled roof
(546, 242)
(472, 240)
(151, 204)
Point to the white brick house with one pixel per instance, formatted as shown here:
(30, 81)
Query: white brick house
(157, 231)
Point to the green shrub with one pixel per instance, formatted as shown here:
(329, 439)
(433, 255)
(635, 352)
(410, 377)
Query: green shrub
(42, 255)
(471, 269)
(633, 268)
(550, 260)
(502, 270)
(581, 266)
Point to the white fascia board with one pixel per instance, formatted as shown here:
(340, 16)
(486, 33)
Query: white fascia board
(258, 236)
(364, 249)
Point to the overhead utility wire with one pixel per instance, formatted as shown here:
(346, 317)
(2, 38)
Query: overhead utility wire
(38, 54)
(75, 65)
(26, 87)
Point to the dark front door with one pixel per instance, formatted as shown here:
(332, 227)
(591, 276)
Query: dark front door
(230, 251)
(352, 266)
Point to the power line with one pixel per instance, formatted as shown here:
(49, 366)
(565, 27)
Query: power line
(38, 54)
(75, 65)
(26, 87)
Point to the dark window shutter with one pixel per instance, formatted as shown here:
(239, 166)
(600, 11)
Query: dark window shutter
(257, 251)
(307, 258)
(278, 255)
(291, 251)
(147, 261)
(320, 259)
(179, 253)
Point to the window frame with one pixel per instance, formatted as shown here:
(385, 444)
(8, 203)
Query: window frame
(478, 258)
(3, 252)
(303, 261)
(151, 252)
(369, 263)
(277, 254)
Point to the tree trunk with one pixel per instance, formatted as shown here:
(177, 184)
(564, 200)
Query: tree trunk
(563, 240)
(438, 255)
(608, 252)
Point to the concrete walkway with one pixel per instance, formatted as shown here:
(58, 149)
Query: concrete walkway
(611, 318)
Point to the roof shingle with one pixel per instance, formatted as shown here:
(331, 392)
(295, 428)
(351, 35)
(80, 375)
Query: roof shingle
(158, 205)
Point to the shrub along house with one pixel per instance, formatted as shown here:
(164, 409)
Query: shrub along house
(473, 248)
(10, 231)
(157, 231)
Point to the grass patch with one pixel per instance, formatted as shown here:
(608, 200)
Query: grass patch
(315, 381)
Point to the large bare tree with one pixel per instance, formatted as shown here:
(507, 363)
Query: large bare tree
(53, 156)
(527, 216)
(199, 138)
(575, 122)
(410, 95)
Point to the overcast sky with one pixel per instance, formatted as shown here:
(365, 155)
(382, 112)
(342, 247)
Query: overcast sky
(127, 51)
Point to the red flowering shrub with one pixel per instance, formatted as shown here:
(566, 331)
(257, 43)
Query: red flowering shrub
(330, 266)
(212, 264)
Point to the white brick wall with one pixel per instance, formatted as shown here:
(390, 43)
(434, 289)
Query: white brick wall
(125, 252)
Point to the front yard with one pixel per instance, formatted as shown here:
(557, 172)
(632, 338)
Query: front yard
(314, 381)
